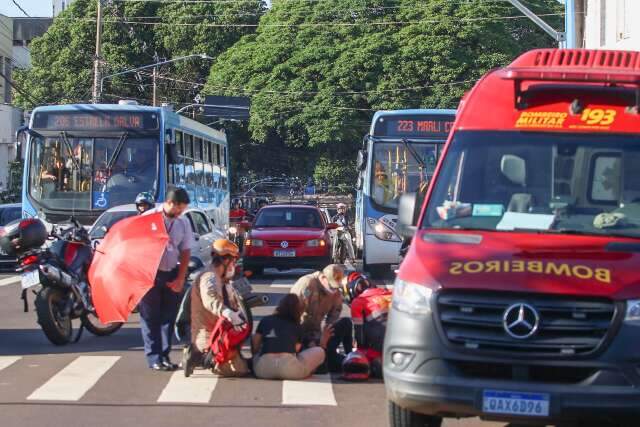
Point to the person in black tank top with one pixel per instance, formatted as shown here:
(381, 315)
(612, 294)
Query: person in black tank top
(278, 340)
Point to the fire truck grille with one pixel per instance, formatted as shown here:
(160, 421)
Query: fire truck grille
(565, 326)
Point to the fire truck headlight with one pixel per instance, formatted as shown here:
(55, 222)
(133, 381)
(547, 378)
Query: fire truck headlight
(411, 298)
(633, 311)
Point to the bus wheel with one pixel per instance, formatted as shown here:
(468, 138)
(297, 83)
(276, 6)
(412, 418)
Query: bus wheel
(400, 417)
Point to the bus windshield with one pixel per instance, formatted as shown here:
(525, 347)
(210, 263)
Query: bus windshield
(91, 173)
(396, 171)
(539, 182)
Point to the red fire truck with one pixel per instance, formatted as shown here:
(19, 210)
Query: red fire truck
(519, 299)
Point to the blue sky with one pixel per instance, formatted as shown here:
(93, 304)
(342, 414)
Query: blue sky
(32, 7)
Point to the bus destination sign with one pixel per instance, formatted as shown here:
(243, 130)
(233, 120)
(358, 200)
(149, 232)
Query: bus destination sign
(414, 126)
(96, 121)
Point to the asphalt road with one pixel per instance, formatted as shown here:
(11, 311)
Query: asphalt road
(105, 382)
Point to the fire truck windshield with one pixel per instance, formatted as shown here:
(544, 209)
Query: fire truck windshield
(542, 182)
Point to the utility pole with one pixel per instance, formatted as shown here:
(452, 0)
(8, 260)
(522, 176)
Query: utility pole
(559, 36)
(155, 85)
(97, 91)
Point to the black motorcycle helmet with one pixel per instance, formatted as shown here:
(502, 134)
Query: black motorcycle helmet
(22, 236)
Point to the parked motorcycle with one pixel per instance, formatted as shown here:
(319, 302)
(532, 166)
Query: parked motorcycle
(340, 251)
(57, 275)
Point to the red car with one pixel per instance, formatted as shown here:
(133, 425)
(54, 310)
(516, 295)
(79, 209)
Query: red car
(288, 236)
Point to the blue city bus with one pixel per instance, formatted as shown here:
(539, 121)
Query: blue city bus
(398, 155)
(83, 159)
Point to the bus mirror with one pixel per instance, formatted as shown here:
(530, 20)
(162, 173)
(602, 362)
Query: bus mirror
(21, 138)
(362, 160)
(406, 208)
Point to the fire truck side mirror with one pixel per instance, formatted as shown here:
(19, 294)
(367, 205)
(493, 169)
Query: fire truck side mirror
(406, 208)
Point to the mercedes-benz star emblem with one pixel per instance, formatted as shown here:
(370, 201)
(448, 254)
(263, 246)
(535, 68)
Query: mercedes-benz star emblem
(284, 244)
(521, 321)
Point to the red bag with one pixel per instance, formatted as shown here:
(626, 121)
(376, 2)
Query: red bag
(225, 340)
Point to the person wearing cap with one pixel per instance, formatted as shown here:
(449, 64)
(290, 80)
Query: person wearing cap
(159, 306)
(322, 299)
(212, 297)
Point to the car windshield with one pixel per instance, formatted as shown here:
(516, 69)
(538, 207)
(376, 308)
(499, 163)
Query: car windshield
(540, 182)
(288, 217)
(396, 171)
(107, 220)
(91, 173)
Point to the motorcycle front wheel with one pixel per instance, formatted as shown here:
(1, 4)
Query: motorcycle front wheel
(50, 306)
(91, 322)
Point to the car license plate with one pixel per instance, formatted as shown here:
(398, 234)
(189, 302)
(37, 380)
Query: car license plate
(284, 253)
(514, 403)
(30, 279)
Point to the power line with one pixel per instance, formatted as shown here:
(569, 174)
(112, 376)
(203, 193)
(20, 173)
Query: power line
(319, 24)
(21, 9)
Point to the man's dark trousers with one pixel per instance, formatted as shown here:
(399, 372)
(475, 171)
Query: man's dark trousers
(342, 334)
(158, 311)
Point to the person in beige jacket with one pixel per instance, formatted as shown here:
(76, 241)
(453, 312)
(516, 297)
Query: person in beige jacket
(212, 296)
(321, 295)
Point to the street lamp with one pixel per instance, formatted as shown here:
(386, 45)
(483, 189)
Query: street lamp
(155, 70)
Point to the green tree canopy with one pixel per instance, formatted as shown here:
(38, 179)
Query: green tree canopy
(134, 34)
(316, 71)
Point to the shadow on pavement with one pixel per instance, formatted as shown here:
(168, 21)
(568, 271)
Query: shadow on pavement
(24, 342)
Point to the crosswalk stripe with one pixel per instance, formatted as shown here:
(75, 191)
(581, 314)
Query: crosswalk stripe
(195, 389)
(283, 283)
(316, 390)
(72, 382)
(9, 281)
(6, 361)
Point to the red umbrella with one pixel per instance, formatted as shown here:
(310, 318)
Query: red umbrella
(124, 265)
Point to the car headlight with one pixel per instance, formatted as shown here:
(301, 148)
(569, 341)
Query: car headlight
(254, 242)
(314, 243)
(411, 297)
(233, 230)
(633, 311)
(383, 231)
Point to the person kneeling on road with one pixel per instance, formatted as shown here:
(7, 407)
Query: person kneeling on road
(277, 344)
(212, 297)
(322, 301)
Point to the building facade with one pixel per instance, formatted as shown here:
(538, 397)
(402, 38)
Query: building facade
(59, 6)
(15, 37)
(608, 24)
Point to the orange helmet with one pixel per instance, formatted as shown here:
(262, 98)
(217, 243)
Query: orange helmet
(225, 248)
